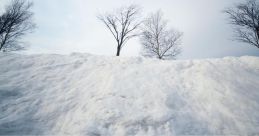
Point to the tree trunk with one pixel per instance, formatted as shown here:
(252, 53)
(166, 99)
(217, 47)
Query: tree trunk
(1, 47)
(2, 44)
(118, 51)
(257, 34)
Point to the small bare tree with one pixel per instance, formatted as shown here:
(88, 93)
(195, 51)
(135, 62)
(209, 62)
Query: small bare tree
(122, 24)
(245, 18)
(157, 40)
(15, 22)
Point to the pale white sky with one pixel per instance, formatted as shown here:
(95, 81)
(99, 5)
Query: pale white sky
(66, 26)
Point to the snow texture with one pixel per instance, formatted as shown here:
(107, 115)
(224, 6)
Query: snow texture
(82, 94)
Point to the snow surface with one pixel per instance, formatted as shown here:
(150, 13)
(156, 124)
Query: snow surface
(82, 94)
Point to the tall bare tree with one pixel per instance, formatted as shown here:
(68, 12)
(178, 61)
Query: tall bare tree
(245, 18)
(123, 24)
(15, 22)
(159, 41)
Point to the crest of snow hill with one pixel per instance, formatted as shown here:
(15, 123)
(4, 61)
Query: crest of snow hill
(82, 94)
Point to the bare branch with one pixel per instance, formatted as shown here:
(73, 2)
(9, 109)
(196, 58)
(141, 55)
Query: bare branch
(245, 17)
(123, 24)
(15, 22)
(157, 40)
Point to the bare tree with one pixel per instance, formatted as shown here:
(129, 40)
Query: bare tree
(122, 24)
(157, 40)
(15, 22)
(245, 18)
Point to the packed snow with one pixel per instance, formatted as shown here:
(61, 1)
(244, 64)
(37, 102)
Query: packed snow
(83, 94)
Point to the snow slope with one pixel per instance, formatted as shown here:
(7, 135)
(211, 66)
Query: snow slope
(82, 94)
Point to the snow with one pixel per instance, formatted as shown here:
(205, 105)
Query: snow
(83, 94)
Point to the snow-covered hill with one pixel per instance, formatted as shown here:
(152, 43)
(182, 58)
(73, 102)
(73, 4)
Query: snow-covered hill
(82, 94)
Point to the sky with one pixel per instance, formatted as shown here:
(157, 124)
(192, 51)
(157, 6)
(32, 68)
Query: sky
(66, 26)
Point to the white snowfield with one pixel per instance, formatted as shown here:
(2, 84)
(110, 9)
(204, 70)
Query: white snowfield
(82, 94)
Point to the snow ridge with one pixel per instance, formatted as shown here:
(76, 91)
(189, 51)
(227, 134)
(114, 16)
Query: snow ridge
(83, 94)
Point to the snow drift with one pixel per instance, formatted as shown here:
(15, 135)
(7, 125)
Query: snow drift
(82, 94)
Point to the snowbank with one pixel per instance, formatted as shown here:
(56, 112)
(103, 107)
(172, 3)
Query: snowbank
(81, 94)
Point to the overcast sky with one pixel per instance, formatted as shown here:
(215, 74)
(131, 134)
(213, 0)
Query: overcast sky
(66, 26)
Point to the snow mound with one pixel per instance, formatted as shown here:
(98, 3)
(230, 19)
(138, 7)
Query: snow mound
(82, 94)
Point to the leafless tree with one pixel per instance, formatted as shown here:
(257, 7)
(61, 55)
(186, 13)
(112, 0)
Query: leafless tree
(15, 22)
(123, 24)
(245, 18)
(159, 41)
